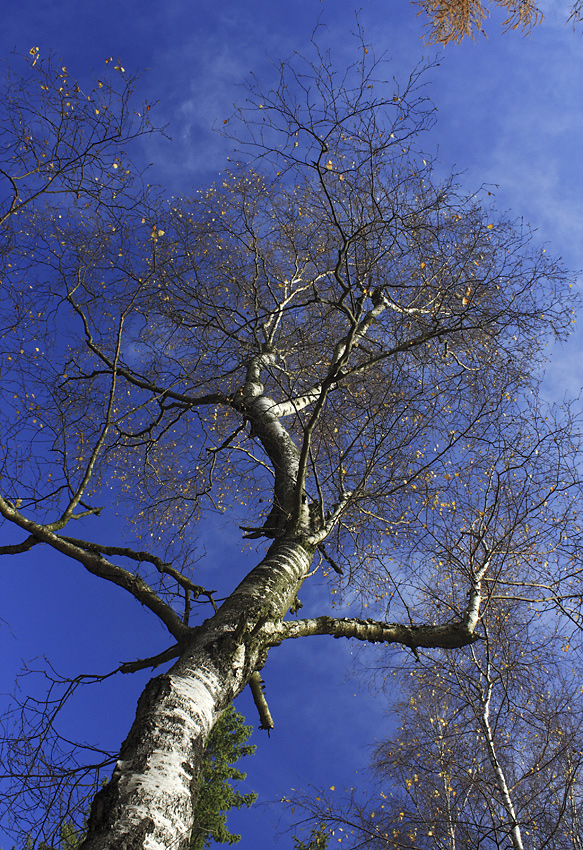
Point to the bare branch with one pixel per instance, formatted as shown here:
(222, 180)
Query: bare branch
(154, 661)
(257, 686)
(373, 631)
(99, 566)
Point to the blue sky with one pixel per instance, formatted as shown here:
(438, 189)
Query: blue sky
(510, 115)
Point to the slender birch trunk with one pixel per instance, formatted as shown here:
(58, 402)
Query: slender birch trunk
(515, 834)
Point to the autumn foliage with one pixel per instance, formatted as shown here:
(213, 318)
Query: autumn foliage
(333, 347)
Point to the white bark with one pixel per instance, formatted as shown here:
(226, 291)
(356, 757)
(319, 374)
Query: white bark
(294, 405)
(503, 789)
(373, 631)
(148, 804)
(149, 800)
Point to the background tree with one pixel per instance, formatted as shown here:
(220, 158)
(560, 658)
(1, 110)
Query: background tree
(216, 795)
(488, 748)
(487, 754)
(329, 343)
(454, 20)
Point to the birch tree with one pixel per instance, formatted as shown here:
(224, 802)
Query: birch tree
(488, 748)
(488, 751)
(329, 345)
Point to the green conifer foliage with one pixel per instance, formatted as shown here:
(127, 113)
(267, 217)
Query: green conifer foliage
(216, 796)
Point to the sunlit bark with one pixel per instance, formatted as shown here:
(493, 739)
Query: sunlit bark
(503, 789)
(339, 353)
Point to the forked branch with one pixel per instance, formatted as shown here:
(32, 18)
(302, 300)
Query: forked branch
(95, 563)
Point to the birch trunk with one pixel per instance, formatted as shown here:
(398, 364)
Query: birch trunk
(504, 791)
(149, 800)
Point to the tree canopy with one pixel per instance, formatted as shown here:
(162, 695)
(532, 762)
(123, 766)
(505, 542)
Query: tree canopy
(332, 345)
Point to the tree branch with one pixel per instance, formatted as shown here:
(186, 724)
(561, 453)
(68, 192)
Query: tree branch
(329, 524)
(96, 564)
(161, 566)
(294, 405)
(18, 548)
(374, 631)
(153, 661)
(329, 559)
(257, 686)
(142, 383)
